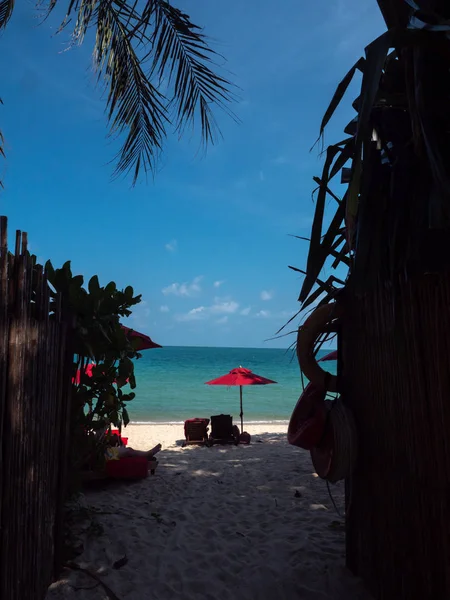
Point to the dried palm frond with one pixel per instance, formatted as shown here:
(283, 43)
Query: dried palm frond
(397, 204)
(6, 10)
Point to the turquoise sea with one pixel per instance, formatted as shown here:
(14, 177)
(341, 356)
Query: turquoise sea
(171, 384)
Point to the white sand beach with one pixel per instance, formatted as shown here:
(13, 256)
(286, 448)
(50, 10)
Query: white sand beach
(214, 523)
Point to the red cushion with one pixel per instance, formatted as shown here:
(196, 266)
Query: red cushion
(133, 467)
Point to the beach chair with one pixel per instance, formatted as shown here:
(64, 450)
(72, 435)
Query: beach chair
(223, 431)
(196, 431)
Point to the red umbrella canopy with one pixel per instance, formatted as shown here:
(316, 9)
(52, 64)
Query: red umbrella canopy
(240, 376)
(331, 356)
(140, 340)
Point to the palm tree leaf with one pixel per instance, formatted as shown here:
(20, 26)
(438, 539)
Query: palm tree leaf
(299, 237)
(181, 56)
(134, 105)
(6, 10)
(130, 36)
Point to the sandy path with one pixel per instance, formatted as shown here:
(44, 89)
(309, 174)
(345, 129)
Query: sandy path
(214, 523)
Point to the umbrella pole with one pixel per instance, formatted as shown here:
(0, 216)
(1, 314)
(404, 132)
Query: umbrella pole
(242, 412)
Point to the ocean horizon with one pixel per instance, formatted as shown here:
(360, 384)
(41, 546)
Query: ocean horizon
(171, 384)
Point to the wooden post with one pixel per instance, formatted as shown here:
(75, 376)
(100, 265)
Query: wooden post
(242, 410)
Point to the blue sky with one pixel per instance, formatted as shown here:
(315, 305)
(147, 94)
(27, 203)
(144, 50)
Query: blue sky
(206, 242)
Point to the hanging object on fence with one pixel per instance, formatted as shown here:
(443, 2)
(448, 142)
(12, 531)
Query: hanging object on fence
(307, 424)
(334, 458)
(324, 427)
(308, 334)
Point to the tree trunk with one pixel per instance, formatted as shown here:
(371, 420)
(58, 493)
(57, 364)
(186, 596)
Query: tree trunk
(396, 377)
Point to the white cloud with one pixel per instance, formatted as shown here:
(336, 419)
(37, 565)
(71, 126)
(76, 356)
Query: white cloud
(280, 160)
(217, 284)
(172, 246)
(222, 320)
(198, 310)
(282, 314)
(196, 314)
(164, 308)
(266, 295)
(223, 307)
(184, 289)
(246, 311)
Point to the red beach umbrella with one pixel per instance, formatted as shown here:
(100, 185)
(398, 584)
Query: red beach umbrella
(240, 377)
(141, 341)
(144, 342)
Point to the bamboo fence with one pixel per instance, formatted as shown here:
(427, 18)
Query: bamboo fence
(396, 378)
(35, 376)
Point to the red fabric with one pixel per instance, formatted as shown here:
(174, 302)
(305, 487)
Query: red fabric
(133, 467)
(307, 424)
(331, 356)
(117, 432)
(145, 342)
(88, 372)
(240, 376)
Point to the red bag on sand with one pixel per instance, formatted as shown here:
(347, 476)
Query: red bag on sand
(132, 467)
(307, 424)
(245, 438)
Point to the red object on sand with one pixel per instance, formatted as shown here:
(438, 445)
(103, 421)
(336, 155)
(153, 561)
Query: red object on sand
(141, 341)
(132, 467)
(308, 420)
(240, 377)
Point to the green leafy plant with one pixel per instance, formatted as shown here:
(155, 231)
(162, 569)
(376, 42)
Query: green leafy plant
(99, 400)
